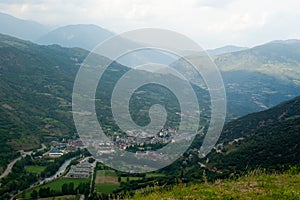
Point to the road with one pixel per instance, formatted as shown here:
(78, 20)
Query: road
(12, 163)
(9, 167)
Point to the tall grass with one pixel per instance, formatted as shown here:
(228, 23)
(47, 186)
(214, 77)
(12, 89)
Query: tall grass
(256, 184)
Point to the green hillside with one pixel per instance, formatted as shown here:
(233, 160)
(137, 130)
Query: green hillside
(258, 78)
(35, 105)
(35, 94)
(261, 77)
(274, 116)
(36, 89)
(279, 59)
(267, 139)
(253, 91)
(256, 185)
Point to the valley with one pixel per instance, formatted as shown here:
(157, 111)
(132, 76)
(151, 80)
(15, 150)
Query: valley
(42, 156)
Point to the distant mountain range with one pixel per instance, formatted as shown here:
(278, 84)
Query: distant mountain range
(280, 59)
(24, 29)
(86, 36)
(225, 49)
(290, 41)
(81, 35)
(257, 78)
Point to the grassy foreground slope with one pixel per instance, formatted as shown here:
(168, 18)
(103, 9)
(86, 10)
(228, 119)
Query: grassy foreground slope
(256, 185)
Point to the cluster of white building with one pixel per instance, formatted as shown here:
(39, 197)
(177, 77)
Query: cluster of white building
(81, 170)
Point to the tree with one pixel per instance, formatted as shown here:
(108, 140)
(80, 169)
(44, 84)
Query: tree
(44, 192)
(83, 188)
(34, 194)
(6, 196)
(71, 188)
(64, 188)
(86, 189)
(27, 160)
(91, 160)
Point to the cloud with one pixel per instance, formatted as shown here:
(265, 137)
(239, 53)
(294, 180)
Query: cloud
(21, 1)
(210, 22)
(214, 3)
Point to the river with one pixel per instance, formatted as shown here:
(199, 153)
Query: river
(59, 172)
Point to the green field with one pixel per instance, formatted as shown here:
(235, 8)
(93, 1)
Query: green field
(131, 178)
(257, 185)
(107, 173)
(106, 181)
(106, 188)
(136, 178)
(57, 184)
(35, 169)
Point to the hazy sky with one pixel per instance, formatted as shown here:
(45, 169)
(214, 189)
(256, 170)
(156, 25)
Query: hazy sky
(212, 23)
